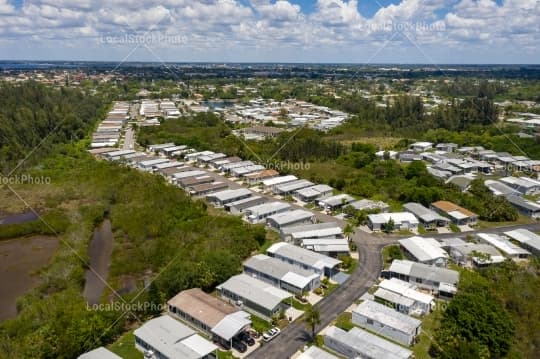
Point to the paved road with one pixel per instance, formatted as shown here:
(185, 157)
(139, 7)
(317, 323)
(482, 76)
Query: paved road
(129, 138)
(296, 335)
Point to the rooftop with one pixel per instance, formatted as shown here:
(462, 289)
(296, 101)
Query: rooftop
(281, 270)
(304, 256)
(202, 306)
(424, 271)
(282, 219)
(387, 316)
(314, 352)
(255, 290)
(371, 345)
(423, 249)
(450, 207)
(99, 353)
(502, 244)
(425, 214)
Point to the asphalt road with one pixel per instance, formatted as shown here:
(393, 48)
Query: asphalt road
(129, 138)
(296, 335)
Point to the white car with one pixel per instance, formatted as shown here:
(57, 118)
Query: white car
(271, 334)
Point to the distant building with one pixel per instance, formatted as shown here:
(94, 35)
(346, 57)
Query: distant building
(421, 146)
(402, 221)
(458, 215)
(524, 185)
(290, 218)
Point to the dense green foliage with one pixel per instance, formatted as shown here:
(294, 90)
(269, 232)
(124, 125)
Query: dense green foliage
(31, 113)
(494, 315)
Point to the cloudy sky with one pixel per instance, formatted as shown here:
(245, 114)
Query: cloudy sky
(351, 31)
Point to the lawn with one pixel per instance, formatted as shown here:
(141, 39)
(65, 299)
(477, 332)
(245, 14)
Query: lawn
(125, 347)
(344, 321)
(225, 355)
(260, 324)
(390, 253)
(271, 238)
(429, 325)
(521, 220)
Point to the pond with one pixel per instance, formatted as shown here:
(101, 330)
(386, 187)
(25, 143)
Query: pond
(100, 252)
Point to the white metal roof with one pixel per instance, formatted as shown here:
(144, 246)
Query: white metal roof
(397, 217)
(268, 208)
(99, 353)
(316, 353)
(525, 236)
(367, 344)
(393, 297)
(232, 324)
(278, 180)
(229, 194)
(255, 290)
(318, 233)
(187, 174)
(502, 244)
(406, 289)
(387, 316)
(424, 271)
(423, 249)
(304, 256)
(282, 219)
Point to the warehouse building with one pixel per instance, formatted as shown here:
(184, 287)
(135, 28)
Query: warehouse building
(254, 295)
(387, 322)
(359, 343)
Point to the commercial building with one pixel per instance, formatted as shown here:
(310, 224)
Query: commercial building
(457, 214)
(424, 250)
(506, 247)
(418, 303)
(281, 274)
(310, 194)
(290, 218)
(526, 238)
(402, 221)
(99, 353)
(359, 343)
(387, 322)
(223, 197)
(427, 217)
(305, 259)
(238, 207)
(209, 314)
(439, 280)
(254, 295)
(166, 338)
(259, 213)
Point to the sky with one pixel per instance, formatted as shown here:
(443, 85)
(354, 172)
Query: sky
(317, 31)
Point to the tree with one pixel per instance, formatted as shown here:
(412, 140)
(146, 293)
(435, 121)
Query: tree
(389, 226)
(348, 230)
(312, 318)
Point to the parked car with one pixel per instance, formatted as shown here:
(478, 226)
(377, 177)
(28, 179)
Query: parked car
(271, 334)
(246, 338)
(239, 345)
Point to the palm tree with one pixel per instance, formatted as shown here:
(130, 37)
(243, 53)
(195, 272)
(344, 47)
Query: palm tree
(348, 231)
(312, 318)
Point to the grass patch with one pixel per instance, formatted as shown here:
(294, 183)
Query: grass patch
(125, 347)
(260, 324)
(521, 220)
(430, 323)
(331, 287)
(271, 238)
(454, 228)
(300, 306)
(344, 321)
(225, 355)
(390, 253)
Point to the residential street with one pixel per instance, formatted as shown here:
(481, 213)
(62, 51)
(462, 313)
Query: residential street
(296, 335)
